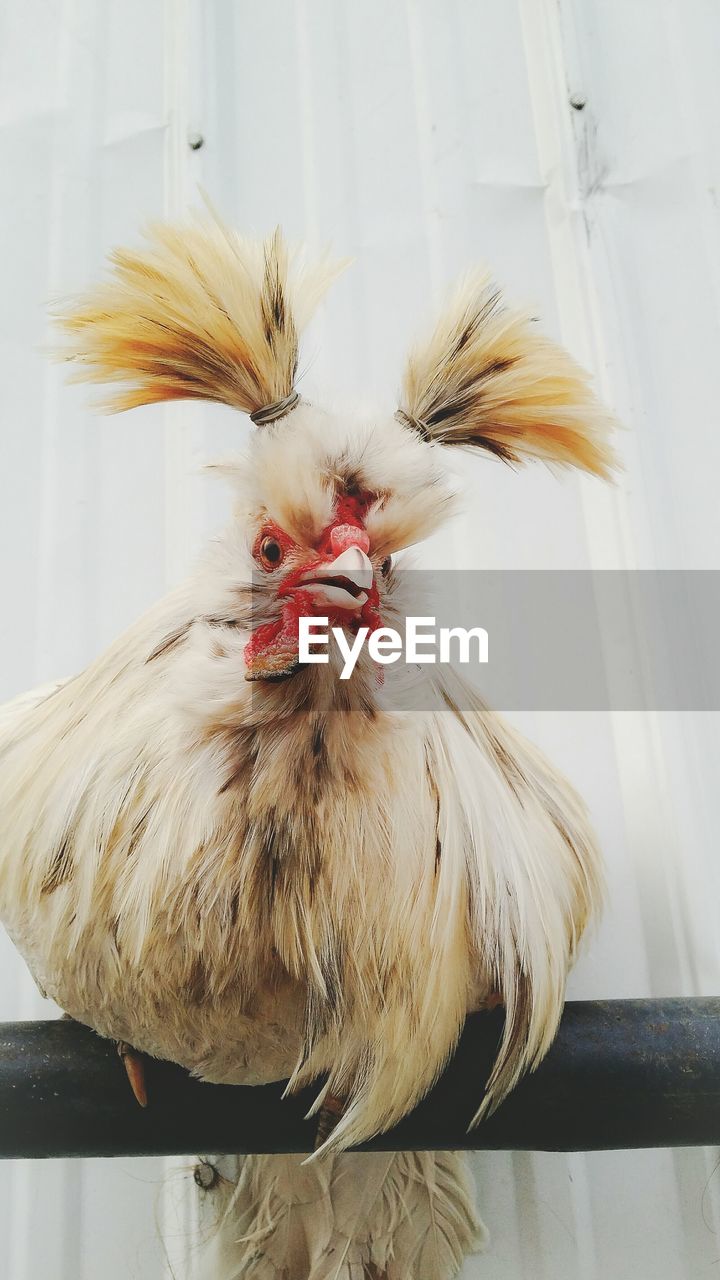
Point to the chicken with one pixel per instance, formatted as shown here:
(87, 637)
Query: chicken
(215, 853)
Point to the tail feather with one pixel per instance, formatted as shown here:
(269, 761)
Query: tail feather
(353, 1216)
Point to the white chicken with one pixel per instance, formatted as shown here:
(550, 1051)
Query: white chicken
(216, 854)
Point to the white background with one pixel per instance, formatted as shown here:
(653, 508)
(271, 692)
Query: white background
(421, 138)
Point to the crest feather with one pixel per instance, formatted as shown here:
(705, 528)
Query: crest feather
(488, 378)
(200, 313)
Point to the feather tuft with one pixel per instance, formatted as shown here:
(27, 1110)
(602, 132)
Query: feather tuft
(487, 378)
(199, 314)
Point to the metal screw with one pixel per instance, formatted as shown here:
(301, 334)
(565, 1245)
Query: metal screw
(205, 1175)
(195, 141)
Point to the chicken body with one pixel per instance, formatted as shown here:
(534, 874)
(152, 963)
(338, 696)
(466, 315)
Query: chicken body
(253, 881)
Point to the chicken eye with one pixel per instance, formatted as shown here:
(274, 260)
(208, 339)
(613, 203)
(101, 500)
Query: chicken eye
(271, 553)
(386, 566)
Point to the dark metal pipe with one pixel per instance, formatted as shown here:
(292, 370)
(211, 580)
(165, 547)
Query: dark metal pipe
(622, 1073)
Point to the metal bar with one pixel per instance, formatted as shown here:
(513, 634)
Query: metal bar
(622, 1073)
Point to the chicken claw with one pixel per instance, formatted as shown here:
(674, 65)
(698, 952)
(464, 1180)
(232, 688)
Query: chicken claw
(134, 1064)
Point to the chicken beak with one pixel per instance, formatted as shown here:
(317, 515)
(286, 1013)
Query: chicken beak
(355, 565)
(343, 583)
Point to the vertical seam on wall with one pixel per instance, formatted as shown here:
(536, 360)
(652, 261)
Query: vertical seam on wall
(178, 415)
(176, 1202)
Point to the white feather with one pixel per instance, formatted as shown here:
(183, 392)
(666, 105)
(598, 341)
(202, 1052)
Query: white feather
(399, 1216)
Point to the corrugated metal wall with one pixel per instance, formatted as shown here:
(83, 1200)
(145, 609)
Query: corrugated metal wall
(573, 146)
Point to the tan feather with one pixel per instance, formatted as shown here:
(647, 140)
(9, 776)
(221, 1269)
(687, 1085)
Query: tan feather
(488, 378)
(200, 314)
(533, 872)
